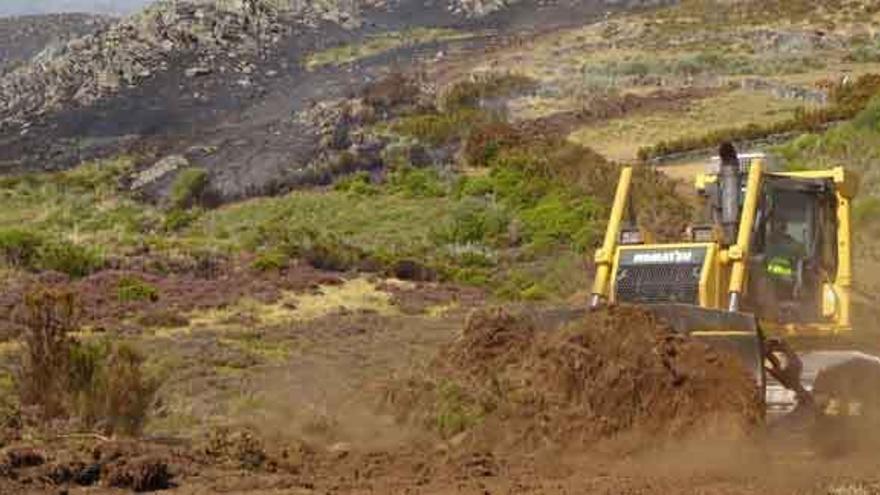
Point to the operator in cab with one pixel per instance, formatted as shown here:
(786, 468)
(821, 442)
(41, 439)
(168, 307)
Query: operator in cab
(782, 256)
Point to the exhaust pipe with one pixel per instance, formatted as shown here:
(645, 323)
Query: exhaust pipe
(730, 182)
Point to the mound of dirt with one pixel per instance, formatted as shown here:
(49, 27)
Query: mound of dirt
(511, 381)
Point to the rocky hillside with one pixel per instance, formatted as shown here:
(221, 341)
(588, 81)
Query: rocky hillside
(22, 38)
(226, 85)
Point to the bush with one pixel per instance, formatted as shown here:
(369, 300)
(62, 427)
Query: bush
(177, 219)
(107, 387)
(319, 249)
(86, 373)
(270, 261)
(95, 382)
(485, 142)
(69, 258)
(19, 248)
(394, 90)
(188, 188)
(330, 253)
(869, 118)
(438, 129)
(358, 184)
(133, 289)
(561, 220)
(474, 221)
(49, 316)
(128, 394)
(418, 183)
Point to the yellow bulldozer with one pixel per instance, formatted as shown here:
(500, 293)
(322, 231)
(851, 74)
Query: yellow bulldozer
(768, 276)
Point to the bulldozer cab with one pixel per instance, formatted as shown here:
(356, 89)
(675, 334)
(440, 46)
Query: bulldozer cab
(794, 250)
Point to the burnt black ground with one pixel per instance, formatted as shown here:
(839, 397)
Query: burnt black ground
(255, 145)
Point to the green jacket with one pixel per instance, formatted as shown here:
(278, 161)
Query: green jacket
(783, 254)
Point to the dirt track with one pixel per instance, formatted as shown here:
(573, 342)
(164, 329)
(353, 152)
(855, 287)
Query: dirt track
(317, 422)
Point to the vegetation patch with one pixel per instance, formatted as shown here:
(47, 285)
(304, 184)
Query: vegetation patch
(622, 138)
(357, 294)
(189, 188)
(847, 101)
(637, 69)
(380, 43)
(98, 384)
(134, 289)
(83, 204)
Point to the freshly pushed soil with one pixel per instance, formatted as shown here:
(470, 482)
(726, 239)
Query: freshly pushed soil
(609, 373)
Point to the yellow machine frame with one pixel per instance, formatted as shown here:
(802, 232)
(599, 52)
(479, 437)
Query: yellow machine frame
(725, 272)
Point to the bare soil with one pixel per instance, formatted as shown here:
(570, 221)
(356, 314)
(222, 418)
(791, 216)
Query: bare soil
(610, 403)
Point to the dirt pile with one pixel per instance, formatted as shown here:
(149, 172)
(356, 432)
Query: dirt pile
(513, 380)
(128, 466)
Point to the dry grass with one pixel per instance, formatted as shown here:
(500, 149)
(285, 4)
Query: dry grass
(620, 139)
(359, 294)
(381, 43)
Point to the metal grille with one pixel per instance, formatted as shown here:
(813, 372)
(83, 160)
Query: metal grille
(659, 284)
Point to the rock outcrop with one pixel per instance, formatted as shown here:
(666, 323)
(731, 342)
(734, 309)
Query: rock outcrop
(133, 50)
(21, 38)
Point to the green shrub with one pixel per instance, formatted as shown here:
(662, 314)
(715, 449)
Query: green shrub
(87, 374)
(535, 292)
(418, 183)
(188, 188)
(134, 289)
(559, 220)
(869, 118)
(91, 176)
(476, 276)
(438, 129)
(864, 54)
(19, 248)
(322, 250)
(331, 253)
(177, 219)
(474, 221)
(270, 261)
(358, 184)
(66, 257)
(479, 187)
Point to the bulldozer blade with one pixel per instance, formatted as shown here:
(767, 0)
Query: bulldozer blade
(734, 333)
